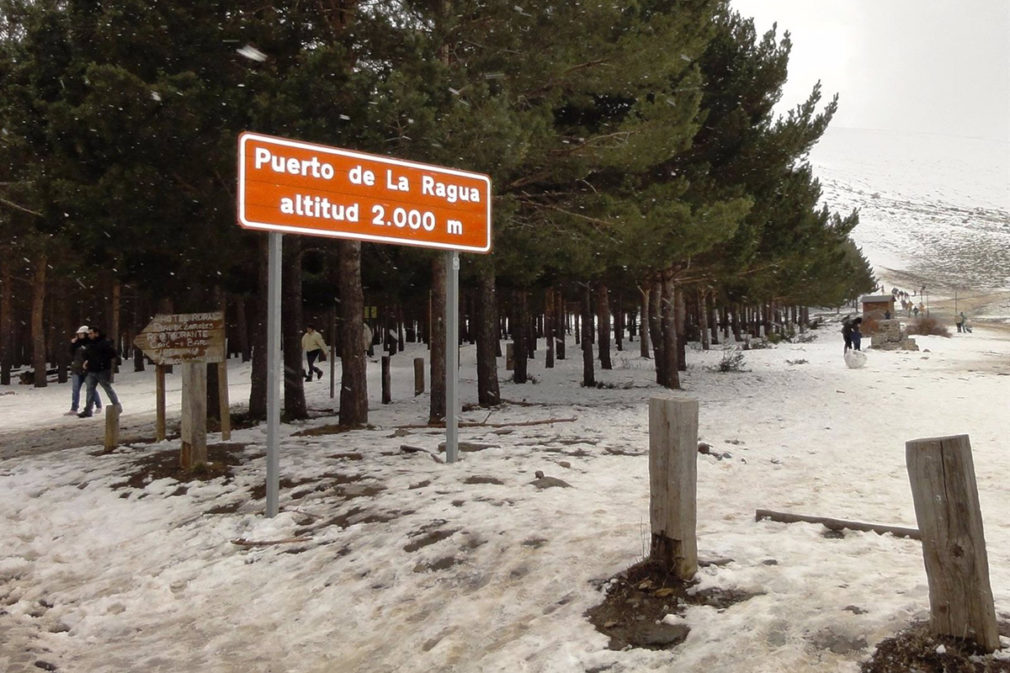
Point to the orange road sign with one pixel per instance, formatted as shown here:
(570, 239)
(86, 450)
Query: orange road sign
(290, 186)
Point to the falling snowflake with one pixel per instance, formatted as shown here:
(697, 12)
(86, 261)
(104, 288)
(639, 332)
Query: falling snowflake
(252, 53)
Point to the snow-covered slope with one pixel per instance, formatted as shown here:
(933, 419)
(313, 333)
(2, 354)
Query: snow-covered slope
(934, 210)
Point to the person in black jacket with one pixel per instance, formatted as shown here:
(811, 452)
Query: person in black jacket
(847, 333)
(77, 373)
(99, 356)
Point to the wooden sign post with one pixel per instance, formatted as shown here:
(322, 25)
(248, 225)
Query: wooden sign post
(190, 340)
(673, 484)
(945, 493)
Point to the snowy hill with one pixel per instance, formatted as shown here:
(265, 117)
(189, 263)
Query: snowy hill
(934, 210)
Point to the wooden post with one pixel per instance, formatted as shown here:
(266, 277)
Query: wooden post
(510, 357)
(111, 426)
(222, 397)
(673, 482)
(418, 376)
(387, 395)
(953, 544)
(194, 415)
(159, 395)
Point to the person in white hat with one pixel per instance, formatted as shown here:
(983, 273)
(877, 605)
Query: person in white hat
(77, 373)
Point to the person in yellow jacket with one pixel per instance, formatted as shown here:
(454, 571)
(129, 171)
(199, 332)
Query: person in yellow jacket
(314, 347)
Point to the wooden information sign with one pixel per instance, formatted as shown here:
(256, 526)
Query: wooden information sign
(190, 340)
(175, 339)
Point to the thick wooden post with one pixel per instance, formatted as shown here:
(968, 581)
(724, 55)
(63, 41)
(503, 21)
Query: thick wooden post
(387, 394)
(111, 426)
(942, 475)
(222, 398)
(159, 395)
(510, 356)
(673, 482)
(418, 376)
(194, 415)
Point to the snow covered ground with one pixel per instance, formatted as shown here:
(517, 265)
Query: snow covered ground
(392, 561)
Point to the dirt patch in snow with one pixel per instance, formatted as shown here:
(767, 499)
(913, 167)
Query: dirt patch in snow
(644, 605)
(917, 650)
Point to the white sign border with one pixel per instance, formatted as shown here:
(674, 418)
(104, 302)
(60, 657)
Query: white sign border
(267, 226)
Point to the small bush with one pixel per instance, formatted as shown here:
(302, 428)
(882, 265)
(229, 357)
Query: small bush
(732, 361)
(928, 326)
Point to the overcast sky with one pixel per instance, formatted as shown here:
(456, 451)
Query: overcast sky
(928, 66)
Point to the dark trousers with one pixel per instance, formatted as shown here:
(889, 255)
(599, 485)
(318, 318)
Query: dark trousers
(311, 356)
(95, 379)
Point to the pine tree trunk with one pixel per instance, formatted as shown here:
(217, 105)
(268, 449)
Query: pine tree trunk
(353, 381)
(258, 381)
(291, 330)
(680, 321)
(401, 339)
(643, 327)
(657, 333)
(669, 327)
(549, 315)
(114, 329)
(436, 408)
(531, 328)
(560, 325)
(706, 336)
(242, 327)
(38, 328)
(618, 314)
(588, 374)
(520, 336)
(603, 325)
(486, 309)
(138, 321)
(713, 321)
(213, 390)
(62, 320)
(656, 330)
(6, 319)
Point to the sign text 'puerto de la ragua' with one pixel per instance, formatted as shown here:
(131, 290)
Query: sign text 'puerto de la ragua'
(290, 186)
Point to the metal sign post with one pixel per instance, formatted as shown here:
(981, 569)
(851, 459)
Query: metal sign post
(451, 357)
(273, 369)
(294, 187)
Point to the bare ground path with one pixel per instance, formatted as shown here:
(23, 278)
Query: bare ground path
(87, 432)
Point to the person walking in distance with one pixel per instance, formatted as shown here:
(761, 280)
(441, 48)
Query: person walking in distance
(99, 356)
(77, 375)
(314, 347)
